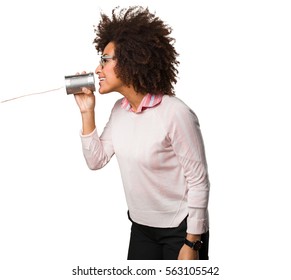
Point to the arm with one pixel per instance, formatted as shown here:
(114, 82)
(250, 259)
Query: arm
(86, 103)
(188, 145)
(97, 151)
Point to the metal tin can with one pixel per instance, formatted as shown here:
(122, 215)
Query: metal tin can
(75, 83)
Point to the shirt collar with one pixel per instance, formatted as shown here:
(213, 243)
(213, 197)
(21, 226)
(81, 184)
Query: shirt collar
(148, 101)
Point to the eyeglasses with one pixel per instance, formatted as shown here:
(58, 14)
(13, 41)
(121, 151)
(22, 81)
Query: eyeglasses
(104, 59)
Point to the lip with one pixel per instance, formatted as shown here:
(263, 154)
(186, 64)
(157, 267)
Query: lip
(101, 79)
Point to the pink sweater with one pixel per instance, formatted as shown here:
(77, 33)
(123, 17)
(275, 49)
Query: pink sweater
(162, 162)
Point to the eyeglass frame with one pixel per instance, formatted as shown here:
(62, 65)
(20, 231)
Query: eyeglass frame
(103, 58)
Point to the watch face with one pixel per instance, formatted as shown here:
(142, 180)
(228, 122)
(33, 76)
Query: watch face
(197, 245)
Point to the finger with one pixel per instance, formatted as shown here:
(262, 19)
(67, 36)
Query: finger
(86, 90)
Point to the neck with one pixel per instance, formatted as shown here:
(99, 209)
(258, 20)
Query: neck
(133, 97)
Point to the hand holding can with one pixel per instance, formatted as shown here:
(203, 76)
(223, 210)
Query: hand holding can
(82, 86)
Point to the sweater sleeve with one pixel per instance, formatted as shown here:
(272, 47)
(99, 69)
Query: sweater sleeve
(188, 145)
(98, 150)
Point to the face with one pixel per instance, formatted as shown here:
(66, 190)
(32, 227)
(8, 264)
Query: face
(108, 81)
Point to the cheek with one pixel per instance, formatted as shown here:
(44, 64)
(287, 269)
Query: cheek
(115, 73)
(114, 80)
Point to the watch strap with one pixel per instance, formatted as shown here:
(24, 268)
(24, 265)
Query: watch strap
(196, 245)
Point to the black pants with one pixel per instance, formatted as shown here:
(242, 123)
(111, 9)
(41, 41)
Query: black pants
(150, 243)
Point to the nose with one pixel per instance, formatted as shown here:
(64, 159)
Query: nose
(98, 69)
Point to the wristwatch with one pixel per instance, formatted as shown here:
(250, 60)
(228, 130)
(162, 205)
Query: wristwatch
(196, 245)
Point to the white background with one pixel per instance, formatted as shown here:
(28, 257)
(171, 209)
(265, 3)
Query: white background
(235, 71)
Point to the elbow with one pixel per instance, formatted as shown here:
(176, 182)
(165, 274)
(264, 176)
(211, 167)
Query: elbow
(95, 165)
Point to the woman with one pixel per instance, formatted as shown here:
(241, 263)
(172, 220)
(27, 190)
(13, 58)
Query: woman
(154, 135)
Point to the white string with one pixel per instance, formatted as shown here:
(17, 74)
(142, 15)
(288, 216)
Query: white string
(29, 94)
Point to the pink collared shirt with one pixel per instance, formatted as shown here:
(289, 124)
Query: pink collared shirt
(162, 161)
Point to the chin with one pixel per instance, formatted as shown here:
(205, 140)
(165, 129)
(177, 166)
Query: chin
(103, 91)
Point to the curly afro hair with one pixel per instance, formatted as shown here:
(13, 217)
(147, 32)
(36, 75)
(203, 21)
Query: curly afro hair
(146, 58)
